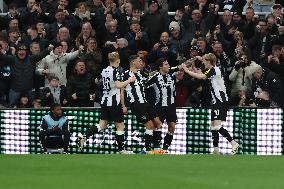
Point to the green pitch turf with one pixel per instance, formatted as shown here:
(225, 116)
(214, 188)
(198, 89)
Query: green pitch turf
(141, 172)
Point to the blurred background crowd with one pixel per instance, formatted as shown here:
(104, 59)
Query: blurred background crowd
(42, 41)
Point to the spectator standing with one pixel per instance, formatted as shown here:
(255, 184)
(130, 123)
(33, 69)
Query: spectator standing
(54, 93)
(242, 75)
(86, 32)
(164, 49)
(137, 39)
(179, 39)
(81, 87)
(55, 63)
(155, 21)
(92, 56)
(82, 13)
(22, 72)
(31, 14)
(62, 19)
(266, 80)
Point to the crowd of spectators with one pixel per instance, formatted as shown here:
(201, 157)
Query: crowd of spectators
(53, 51)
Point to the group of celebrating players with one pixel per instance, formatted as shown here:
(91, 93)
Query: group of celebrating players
(133, 83)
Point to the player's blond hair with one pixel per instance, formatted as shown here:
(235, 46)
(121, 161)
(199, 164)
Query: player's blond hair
(113, 56)
(210, 57)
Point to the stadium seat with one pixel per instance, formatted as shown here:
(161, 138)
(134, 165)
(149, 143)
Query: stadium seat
(54, 144)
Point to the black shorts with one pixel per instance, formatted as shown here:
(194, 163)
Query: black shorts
(143, 112)
(219, 111)
(112, 113)
(168, 113)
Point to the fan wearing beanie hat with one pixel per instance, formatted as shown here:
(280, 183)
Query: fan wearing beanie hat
(21, 51)
(174, 26)
(153, 2)
(153, 6)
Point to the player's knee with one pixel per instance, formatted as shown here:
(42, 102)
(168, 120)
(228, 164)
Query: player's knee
(171, 129)
(159, 126)
(215, 127)
(149, 125)
(158, 122)
(103, 126)
(119, 126)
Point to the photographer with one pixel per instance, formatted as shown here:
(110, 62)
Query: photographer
(276, 57)
(266, 80)
(242, 74)
(275, 61)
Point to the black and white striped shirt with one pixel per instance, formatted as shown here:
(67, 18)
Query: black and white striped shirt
(217, 86)
(164, 86)
(111, 94)
(135, 91)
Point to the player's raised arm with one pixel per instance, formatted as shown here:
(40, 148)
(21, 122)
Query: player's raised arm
(151, 81)
(121, 84)
(193, 74)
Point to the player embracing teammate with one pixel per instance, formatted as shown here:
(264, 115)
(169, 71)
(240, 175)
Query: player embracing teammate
(133, 83)
(144, 112)
(219, 99)
(111, 107)
(164, 84)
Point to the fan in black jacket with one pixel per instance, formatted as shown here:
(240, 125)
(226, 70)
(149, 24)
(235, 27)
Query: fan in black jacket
(22, 71)
(266, 80)
(81, 87)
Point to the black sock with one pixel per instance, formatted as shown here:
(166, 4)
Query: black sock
(157, 137)
(42, 137)
(148, 142)
(167, 141)
(225, 134)
(120, 142)
(66, 140)
(215, 138)
(91, 131)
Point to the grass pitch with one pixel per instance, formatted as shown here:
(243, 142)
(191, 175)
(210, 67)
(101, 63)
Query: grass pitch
(141, 172)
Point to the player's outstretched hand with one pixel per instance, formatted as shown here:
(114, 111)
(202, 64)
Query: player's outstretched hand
(184, 67)
(131, 79)
(199, 58)
(181, 66)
